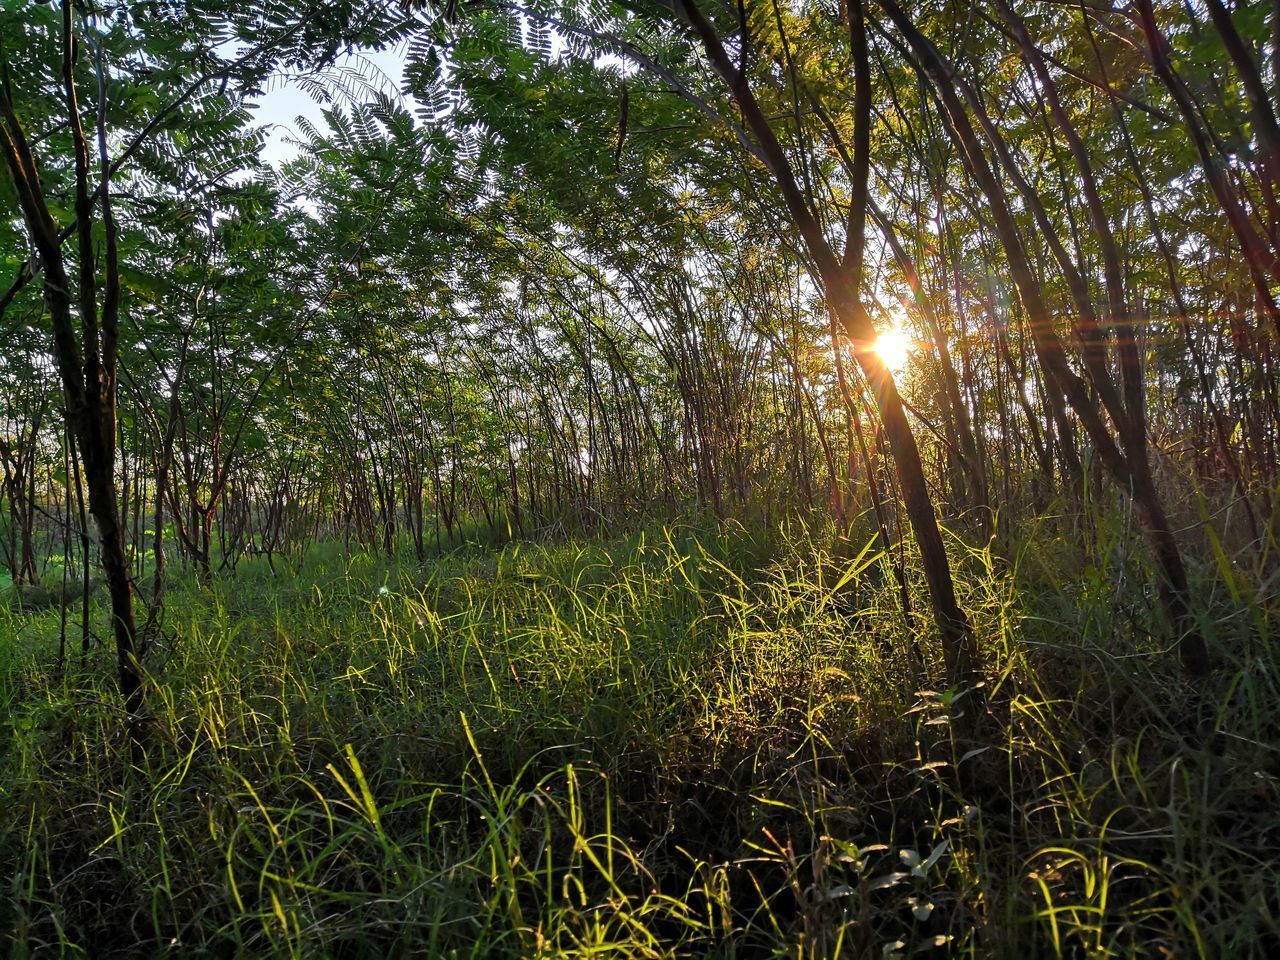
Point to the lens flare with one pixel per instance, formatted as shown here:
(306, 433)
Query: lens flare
(895, 348)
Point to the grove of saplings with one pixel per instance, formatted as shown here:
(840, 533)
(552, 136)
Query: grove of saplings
(665, 478)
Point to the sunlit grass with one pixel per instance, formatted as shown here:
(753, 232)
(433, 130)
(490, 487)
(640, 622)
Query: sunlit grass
(679, 743)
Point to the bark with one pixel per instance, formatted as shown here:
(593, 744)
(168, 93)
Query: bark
(1131, 472)
(1259, 256)
(1260, 110)
(88, 380)
(959, 647)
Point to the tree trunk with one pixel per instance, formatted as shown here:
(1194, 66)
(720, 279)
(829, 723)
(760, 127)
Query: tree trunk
(89, 382)
(841, 282)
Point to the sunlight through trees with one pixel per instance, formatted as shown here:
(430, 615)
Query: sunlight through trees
(655, 479)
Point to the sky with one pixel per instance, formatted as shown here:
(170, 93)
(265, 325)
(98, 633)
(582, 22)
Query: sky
(286, 99)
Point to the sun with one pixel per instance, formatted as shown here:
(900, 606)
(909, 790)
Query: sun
(895, 348)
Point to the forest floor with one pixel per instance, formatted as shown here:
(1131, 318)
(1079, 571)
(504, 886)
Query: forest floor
(696, 740)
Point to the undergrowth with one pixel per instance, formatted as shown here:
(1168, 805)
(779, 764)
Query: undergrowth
(696, 740)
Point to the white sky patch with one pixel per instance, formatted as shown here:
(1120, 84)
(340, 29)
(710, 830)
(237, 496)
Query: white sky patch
(354, 77)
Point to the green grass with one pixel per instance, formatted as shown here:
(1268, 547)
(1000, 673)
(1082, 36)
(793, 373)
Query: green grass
(693, 741)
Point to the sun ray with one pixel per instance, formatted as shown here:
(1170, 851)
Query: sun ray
(895, 347)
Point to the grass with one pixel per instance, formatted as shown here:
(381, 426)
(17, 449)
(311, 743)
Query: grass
(696, 740)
